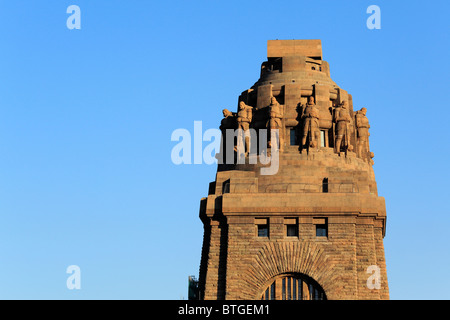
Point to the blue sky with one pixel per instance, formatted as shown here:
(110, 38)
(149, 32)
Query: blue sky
(86, 117)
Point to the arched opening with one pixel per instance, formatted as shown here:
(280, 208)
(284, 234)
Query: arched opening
(293, 286)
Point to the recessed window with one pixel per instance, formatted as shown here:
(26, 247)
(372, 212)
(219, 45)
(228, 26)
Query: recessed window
(262, 227)
(291, 227)
(293, 137)
(325, 185)
(322, 138)
(292, 231)
(321, 230)
(321, 227)
(263, 230)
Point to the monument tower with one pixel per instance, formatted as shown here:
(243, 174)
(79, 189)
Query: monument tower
(314, 227)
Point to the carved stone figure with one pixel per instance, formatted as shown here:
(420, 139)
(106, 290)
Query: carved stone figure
(275, 121)
(244, 118)
(310, 118)
(229, 121)
(342, 119)
(362, 130)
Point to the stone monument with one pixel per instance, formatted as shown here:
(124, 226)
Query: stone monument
(315, 229)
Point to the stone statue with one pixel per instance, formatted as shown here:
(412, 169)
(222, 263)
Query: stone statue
(229, 121)
(275, 121)
(342, 119)
(362, 131)
(244, 118)
(310, 118)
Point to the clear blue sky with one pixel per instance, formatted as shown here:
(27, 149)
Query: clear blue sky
(86, 117)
